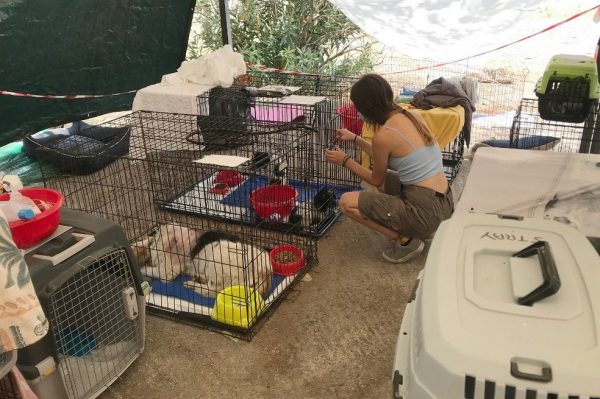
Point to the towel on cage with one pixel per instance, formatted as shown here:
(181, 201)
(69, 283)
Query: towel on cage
(279, 113)
(444, 123)
(306, 190)
(176, 289)
(443, 93)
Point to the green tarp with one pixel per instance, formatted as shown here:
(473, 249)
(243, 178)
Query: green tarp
(64, 47)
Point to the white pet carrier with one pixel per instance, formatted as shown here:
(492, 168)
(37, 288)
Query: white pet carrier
(91, 293)
(506, 308)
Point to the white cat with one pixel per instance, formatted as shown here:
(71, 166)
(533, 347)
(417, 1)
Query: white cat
(220, 260)
(166, 253)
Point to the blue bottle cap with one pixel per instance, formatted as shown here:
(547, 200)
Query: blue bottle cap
(25, 214)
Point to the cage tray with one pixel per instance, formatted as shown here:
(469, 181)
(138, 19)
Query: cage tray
(198, 200)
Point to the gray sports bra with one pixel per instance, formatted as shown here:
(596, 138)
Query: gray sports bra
(419, 165)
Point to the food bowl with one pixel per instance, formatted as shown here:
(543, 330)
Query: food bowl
(26, 233)
(237, 306)
(274, 201)
(350, 119)
(229, 177)
(287, 260)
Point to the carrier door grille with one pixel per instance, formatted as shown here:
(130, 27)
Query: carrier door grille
(96, 338)
(491, 390)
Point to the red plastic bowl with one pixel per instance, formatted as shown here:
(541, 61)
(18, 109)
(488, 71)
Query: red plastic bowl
(230, 177)
(350, 119)
(287, 269)
(273, 200)
(26, 233)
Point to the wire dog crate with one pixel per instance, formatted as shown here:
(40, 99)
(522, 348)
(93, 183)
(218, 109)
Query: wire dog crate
(270, 154)
(268, 105)
(530, 130)
(335, 89)
(207, 263)
(452, 156)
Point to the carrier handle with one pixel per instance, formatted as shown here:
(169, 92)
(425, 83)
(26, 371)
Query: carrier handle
(551, 283)
(546, 375)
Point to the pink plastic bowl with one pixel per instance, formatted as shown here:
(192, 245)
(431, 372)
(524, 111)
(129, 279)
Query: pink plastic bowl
(26, 233)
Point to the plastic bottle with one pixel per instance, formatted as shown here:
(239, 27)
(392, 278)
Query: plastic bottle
(19, 207)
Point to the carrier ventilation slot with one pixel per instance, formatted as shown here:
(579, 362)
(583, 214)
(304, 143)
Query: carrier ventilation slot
(510, 391)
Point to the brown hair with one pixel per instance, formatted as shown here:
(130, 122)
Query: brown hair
(373, 97)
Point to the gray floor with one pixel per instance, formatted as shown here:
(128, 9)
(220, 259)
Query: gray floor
(332, 337)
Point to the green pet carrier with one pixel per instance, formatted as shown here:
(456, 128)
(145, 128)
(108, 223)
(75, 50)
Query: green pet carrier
(568, 89)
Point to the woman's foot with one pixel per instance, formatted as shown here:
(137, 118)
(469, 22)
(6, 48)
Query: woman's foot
(398, 253)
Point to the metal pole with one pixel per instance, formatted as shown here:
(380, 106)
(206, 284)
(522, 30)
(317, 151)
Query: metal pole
(225, 25)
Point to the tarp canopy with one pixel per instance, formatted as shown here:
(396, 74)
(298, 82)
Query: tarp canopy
(66, 47)
(447, 30)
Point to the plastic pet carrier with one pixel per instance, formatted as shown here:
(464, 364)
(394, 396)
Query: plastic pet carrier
(568, 89)
(91, 292)
(506, 307)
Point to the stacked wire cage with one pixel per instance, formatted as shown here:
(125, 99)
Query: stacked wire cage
(535, 131)
(214, 254)
(319, 183)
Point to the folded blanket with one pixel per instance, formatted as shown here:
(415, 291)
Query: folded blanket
(444, 123)
(443, 93)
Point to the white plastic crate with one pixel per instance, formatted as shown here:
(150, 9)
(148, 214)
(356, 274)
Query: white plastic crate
(473, 329)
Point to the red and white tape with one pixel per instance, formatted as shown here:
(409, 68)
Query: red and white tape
(62, 97)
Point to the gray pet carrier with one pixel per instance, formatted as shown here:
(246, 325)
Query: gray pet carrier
(92, 295)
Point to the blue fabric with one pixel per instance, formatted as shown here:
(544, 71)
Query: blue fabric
(419, 165)
(176, 289)
(523, 143)
(306, 191)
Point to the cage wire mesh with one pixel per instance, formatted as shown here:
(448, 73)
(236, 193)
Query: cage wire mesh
(208, 263)
(530, 130)
(499, 90)
(95, 341)
(322, 114)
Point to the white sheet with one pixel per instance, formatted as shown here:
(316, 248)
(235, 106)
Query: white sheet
(222, 160)
(446, 30)
(561, 186)
(179, 98)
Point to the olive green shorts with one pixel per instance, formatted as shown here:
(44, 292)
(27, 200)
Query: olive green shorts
(412, 211)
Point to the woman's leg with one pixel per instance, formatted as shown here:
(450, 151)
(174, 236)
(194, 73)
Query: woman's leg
(349, 207)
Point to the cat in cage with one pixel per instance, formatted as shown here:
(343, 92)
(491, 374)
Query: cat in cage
(214, 260)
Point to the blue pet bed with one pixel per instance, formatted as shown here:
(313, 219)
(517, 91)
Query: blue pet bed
(525, 143)
(177, 290)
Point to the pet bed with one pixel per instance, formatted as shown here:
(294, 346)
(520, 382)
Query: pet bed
(560, 186)
(79, 149)
(200, 201)
(522, 143)
(175, 297)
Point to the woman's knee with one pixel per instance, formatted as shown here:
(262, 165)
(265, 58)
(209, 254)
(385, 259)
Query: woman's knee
(348, 201)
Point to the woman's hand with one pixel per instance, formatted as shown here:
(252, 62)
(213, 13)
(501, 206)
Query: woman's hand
(335, 156)
(344, 135)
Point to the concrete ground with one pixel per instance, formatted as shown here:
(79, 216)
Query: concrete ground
(333, 336)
